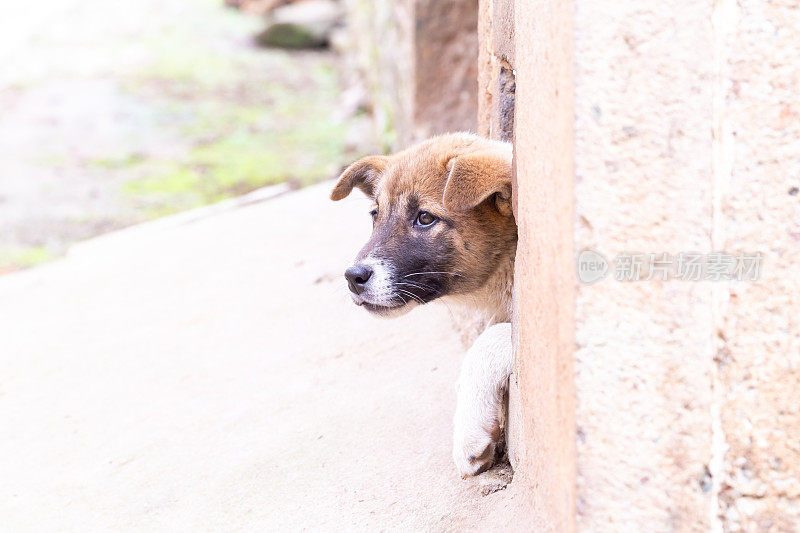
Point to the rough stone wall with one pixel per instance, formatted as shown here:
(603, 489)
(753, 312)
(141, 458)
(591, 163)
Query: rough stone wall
(643, 164)
(686, 139)
(496, 83)
(418, 60)
(446, 66)
(757, 209)
(380, 52)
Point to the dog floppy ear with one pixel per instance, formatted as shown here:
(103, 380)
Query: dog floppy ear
(475, 177)
(363, 174)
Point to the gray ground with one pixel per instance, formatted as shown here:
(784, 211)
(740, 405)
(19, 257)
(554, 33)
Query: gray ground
(213, 375)
(113, 113)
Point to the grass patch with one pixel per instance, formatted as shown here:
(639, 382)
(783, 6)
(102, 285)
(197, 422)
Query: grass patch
(124, 161)
(238, 117)
(237, 164)
(238, 149)
(19, 257)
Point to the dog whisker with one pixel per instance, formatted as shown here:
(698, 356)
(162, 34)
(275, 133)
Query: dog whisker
(416, 285)
(422, 273)
(410, 294)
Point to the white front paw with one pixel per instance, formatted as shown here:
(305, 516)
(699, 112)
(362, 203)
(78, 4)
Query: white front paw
(477, 434)
(480, 411)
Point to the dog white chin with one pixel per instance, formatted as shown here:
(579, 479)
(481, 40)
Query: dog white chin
(386, 311)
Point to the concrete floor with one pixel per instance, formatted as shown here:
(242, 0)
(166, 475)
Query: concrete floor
(213, 375)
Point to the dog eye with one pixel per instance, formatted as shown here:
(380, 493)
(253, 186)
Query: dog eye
(374, 213)
(425, 219)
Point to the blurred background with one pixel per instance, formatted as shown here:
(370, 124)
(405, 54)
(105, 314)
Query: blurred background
(117, 113)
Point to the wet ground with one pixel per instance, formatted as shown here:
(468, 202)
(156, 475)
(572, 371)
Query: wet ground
(114, 113)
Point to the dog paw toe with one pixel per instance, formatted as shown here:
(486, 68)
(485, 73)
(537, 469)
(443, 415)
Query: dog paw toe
(474, 452)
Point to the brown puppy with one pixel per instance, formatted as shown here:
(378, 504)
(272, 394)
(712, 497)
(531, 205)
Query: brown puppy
(443, 227)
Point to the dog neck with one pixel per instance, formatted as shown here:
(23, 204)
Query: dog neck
(492, 302)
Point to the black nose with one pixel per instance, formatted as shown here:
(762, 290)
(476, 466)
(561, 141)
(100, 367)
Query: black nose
(357, 277)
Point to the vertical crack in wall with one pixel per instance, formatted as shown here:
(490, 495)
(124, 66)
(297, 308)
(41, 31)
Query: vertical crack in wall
(506, 93)
(723, 24)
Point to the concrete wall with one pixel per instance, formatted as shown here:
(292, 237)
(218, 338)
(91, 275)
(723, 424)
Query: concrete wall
(543, 445)
(644, 183)
(757, 209)
(417, 60)
(685, 139)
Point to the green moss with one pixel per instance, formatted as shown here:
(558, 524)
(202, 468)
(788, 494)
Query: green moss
(239, 161)
(122, 161)
(173, 180)
(19, 257)
(253, 148)
(241, 122)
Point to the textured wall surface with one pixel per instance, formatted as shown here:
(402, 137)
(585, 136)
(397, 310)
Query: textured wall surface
(418, 60)
(446, 67)
(542, 416)
(643, 162)
(381, 54)
(496, 83)
(686, 139)
(758, 210)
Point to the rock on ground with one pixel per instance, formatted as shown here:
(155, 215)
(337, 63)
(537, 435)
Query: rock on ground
(305, 24)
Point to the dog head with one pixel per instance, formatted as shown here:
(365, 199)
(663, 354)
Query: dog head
(441, 217)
